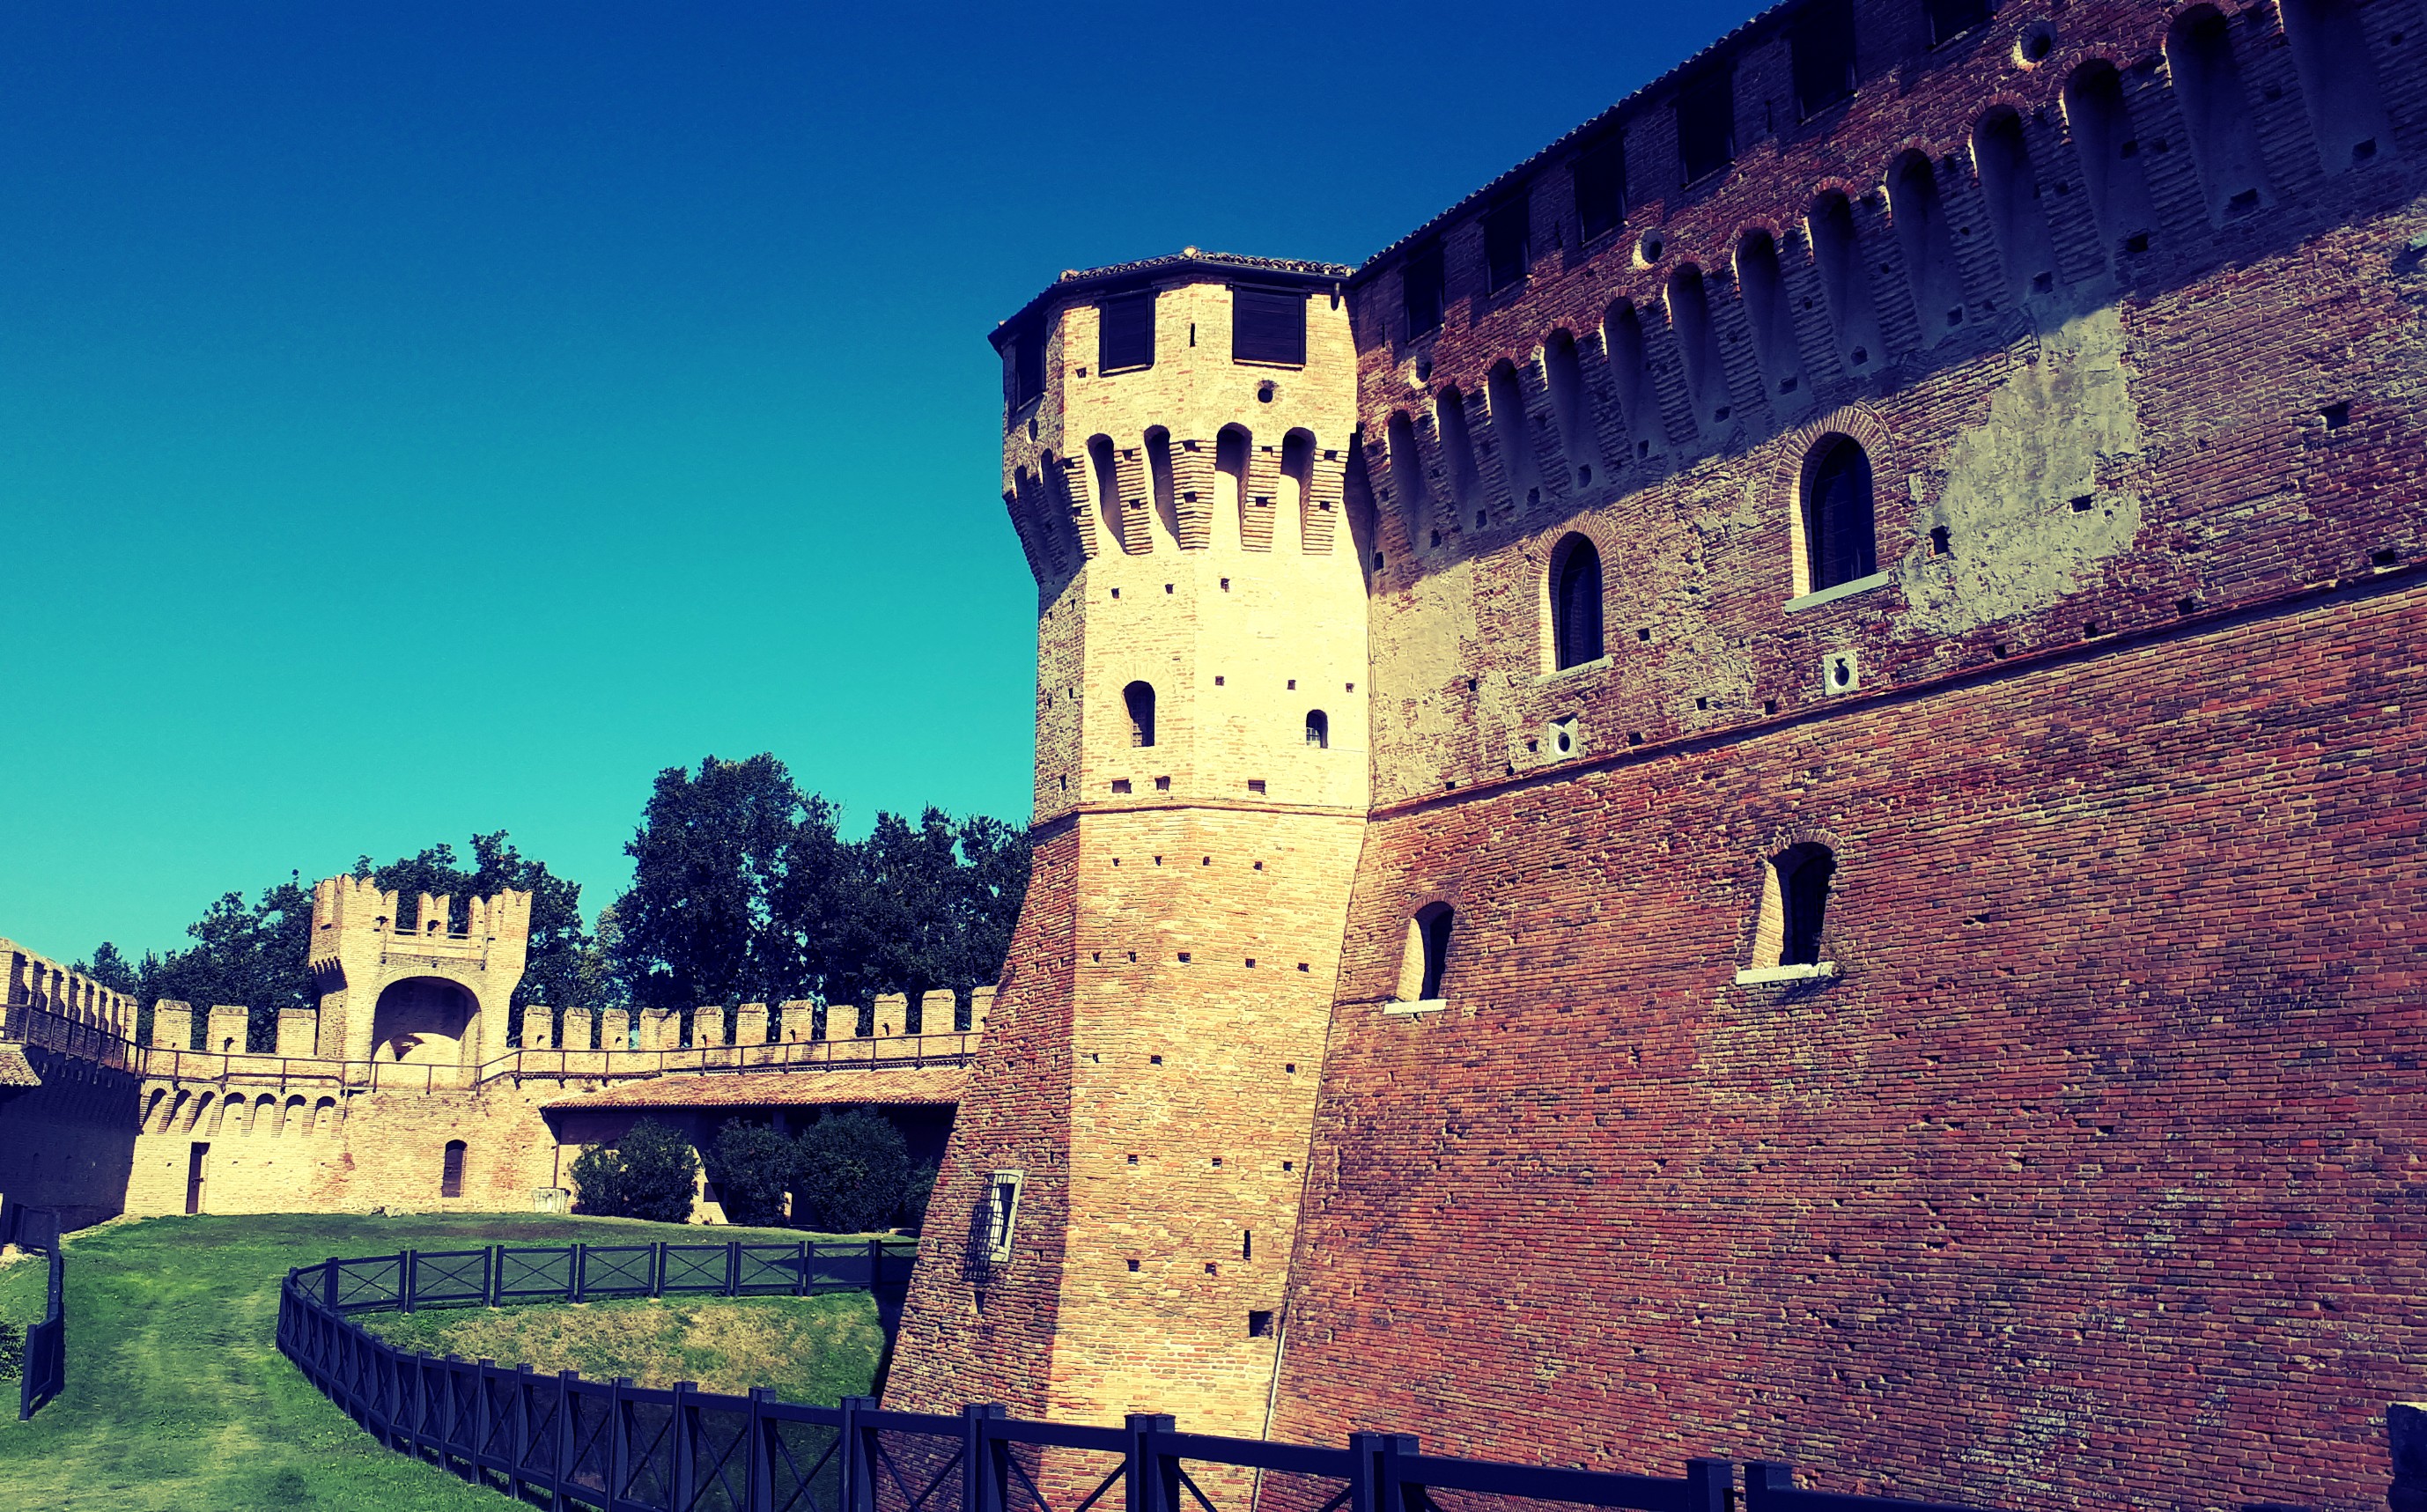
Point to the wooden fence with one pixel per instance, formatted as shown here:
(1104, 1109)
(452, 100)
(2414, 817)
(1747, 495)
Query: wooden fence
(45, 1373)
(562, 1442)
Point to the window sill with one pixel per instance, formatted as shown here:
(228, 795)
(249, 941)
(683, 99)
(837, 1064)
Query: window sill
(1427, 1005)
(1599, 663)
(1298, 366)
(1761, 974)
(1844, 590)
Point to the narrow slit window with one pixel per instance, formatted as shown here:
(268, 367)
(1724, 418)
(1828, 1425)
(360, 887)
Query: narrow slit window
(1421, 289)
(1839, 528)
(1706, 123)
(1268, 326)
(1505, 237)
(1139, 699)
(1575, 603)
(1425, 963)
(450, 1173)
(1804, 873)
(1601, 186)
(1125, 332)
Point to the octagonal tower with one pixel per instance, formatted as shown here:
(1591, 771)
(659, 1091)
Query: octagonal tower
(1129, 1158)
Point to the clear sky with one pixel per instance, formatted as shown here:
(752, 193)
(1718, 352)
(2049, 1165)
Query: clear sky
(422, 417)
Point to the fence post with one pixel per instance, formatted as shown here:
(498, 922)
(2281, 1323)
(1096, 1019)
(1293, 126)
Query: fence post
(497, 1274)
(876, 1266)
(619, 1442)
(1374, 1483)
(484, 1419)
(858, 1484)
(1151, 1483)
(522, 1448)
(757, 1478)
(329, 1282)
(679, 1497)
(656, 1267)
(732, 1268)
(564, 1415)
(983, 1463)
(801, 1271)
(1762, 1476)
(407, 1271)
(573, 1271)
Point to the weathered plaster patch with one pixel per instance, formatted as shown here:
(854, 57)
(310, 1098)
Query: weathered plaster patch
(2060, 429)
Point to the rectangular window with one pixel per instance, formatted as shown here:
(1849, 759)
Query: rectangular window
(1023, 365)
(1950, 19)
(1504, 242)
(1125, 328)
(1706, 122)
(1822, 45)
(1421, 288)
(1268, 326)
(1601, 186)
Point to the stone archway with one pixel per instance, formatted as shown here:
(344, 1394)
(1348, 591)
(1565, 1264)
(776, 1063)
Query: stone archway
(424, 1021)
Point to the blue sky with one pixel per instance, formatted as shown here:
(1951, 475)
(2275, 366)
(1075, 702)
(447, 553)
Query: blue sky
(417, 418)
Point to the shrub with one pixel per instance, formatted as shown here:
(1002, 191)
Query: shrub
(649, 1173)
(13, 1352)
(751, 1166)
(914, 1202)
(852, 1176)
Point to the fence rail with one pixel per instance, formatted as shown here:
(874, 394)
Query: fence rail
(563, 1442)
(46, 1372)
(411, 1279)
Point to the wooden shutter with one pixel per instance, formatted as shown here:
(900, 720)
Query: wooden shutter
(1504, 242)
(1706, 122)
(1268, 326)
(1822, 49)
(1421, 290)
(1601, 186)
(1126, 332)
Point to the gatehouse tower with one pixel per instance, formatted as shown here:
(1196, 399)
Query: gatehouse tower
(1178, 436)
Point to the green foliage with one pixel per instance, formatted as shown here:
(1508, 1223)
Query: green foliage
(914, 1202)
(552, 973)
(751, 1166)
(253, 955)
(853, 1174)
(13, 1352)
(178, 1397)
(650, 1173)
(744, 892)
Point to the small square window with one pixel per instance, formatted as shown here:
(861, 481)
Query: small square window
(1268, 326)
(1504, 238)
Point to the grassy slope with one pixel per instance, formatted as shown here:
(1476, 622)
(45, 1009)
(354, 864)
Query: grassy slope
(178, 1401)
(25, 1292)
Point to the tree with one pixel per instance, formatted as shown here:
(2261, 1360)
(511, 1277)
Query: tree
(254, 955)
(111, 969)
(552, 971)
(714, 854)
(751, 1166)
(930, 905)
(853, 1174)
(651, 1173)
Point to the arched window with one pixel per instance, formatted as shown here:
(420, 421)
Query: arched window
(1804, 875)
(2208, 86)
(1426, 959)
(1575, 603)
(450, 1175)
(1839, 537)
(1139, 696)
(1318, 729)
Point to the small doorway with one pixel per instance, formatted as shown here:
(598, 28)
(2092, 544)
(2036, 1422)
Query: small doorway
(197, 1161)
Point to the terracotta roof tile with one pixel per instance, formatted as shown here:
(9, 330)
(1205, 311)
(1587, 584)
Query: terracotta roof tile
(934, 1085)
(15, 1070)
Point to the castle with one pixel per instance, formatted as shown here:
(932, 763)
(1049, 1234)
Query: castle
(403, 1089)
(1757, 795)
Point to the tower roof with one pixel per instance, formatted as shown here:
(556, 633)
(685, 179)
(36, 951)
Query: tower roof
(1115, 277)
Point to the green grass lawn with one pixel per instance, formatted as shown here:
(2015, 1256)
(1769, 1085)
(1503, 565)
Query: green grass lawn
(178, 1400)
(25, 1294)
